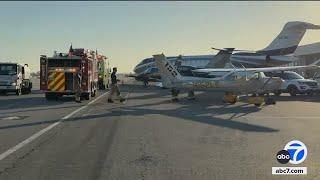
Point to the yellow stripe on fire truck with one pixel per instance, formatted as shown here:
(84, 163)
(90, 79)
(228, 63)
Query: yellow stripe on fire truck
(56, 81)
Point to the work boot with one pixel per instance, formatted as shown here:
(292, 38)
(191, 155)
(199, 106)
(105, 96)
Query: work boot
(110, 101)
(78, 99)
(121, 100)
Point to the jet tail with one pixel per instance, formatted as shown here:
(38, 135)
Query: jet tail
(221, 59)
(288, 39)
(168, 72)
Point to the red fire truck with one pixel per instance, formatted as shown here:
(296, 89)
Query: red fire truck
(58, 74)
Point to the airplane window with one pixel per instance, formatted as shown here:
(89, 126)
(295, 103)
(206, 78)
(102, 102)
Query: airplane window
(254, 76)
(231, 77)
(154, 70)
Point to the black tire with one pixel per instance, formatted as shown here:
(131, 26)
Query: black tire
(293, 90)
(277, 93)
(258, 104)
(175, 100)
(175, 92)
(86, 96)
(26, 91)
(269, 100)
(50, 96)
(310, 93)
(23, 91)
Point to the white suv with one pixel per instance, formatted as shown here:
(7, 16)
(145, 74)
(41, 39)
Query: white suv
(294, 84)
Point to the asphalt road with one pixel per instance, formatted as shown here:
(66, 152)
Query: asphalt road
(149, 137)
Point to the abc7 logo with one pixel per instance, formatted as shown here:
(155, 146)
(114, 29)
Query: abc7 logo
(294, 152)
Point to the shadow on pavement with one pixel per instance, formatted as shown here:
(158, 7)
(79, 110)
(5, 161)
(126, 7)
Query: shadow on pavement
(303, 98)
(31, 102)
(204, 110)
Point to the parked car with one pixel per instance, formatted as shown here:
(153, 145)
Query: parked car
(294, 84)
(316, 77)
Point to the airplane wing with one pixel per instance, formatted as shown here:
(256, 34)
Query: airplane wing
(267, 69)
(275, 69)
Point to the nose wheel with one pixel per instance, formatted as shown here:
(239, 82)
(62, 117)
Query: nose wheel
(230, 98)
(259, 100)
(191, 95)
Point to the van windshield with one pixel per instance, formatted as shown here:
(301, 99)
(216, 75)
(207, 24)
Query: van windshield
(8, 69)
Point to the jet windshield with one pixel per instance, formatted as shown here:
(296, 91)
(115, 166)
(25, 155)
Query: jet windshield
(151, 70)
(8, 69)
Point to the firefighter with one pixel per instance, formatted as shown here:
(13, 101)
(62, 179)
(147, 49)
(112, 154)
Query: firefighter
(78, 86)
(114, 86)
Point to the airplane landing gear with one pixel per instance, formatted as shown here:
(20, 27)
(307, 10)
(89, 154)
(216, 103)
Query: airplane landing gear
(230, 98)
(175, 93)
(256, 100)
(269, 100)
(191, 95)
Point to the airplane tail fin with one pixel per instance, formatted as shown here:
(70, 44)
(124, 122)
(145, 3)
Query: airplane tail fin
(167, 71)
(288, 39)
(221, 59)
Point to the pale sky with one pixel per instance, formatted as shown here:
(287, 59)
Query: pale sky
(128, 32)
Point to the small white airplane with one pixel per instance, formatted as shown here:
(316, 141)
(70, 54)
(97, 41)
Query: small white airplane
(233, 82)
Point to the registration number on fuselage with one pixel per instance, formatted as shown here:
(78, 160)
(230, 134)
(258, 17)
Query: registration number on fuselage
(171, 69)
(205, 84)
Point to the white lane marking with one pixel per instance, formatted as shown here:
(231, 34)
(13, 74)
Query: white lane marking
(38, 134)
(284, 117)
(10, 118)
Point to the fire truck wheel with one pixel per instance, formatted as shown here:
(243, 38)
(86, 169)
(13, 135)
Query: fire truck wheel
(86, 96)
(50, 96)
